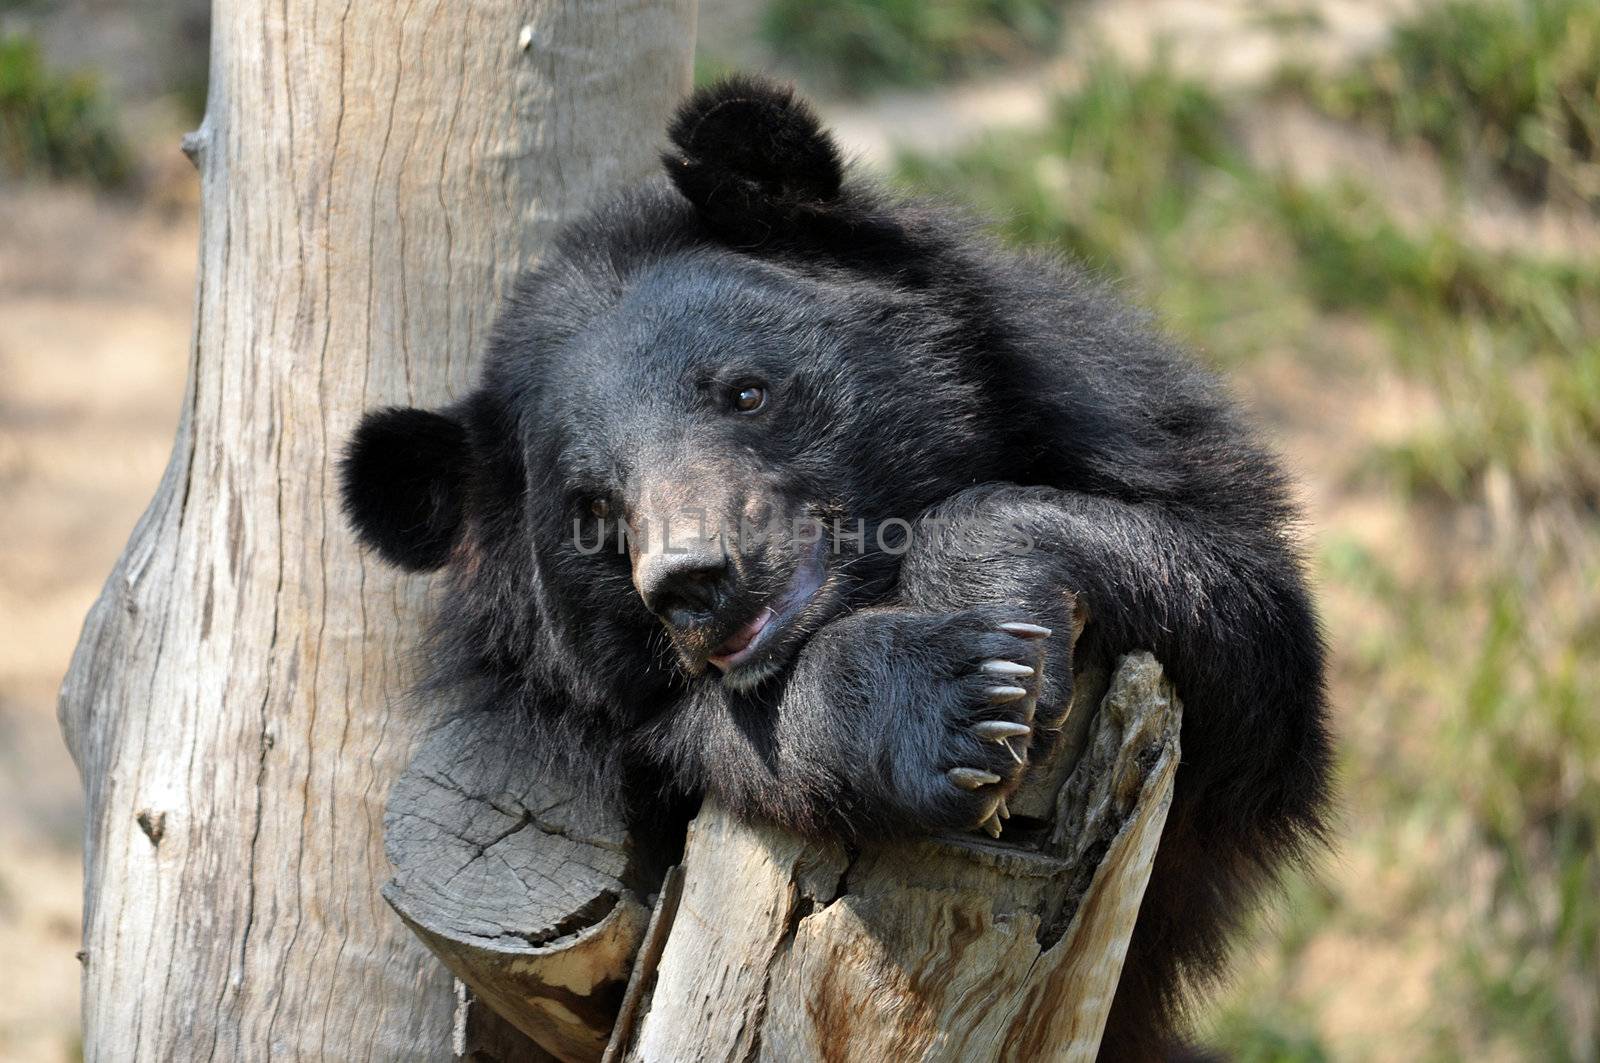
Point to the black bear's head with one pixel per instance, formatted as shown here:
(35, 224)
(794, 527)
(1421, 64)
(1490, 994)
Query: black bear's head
(702, 418)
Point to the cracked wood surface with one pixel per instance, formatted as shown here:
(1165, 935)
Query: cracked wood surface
(526, 893)
(374, 177)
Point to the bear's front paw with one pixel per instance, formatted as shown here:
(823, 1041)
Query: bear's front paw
(992, 737)
(968, 686)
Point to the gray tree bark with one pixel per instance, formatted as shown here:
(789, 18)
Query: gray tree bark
(374, 177)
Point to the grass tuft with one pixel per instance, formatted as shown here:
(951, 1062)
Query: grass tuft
(1122, 161)
(55, 126)
(1514, 84)
(866, 44)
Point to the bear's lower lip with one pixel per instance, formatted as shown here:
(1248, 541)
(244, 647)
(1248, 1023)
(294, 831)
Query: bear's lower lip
(742, 643)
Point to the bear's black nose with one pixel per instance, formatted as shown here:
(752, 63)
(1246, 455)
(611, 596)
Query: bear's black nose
(683, 586)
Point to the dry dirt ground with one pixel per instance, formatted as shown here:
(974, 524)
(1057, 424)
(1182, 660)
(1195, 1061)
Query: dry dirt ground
(1227, 43)
(95, 301)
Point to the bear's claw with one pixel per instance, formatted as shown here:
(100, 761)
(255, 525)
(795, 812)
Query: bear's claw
(1016, 682)
(1000, 730)
(1006, 668)
(972, 778)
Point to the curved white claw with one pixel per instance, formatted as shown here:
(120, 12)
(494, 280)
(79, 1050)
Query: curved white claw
(1000, 730)
(1026, 631)
(1006, 693)
(1009, 669)
(972, 778)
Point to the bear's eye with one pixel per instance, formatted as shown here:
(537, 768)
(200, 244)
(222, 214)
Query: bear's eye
(600, 508)
(749, 398)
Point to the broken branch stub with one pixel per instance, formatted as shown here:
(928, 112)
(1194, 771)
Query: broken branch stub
(528, 894)
(773, 947)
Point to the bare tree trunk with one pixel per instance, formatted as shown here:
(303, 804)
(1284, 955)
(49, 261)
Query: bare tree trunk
(374, 177)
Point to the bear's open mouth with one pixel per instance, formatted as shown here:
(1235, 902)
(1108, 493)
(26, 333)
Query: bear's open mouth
(767, 627)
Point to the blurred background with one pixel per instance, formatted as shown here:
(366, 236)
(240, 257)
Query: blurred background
(1380, 217)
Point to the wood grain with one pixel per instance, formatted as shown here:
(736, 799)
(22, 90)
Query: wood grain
(524, 891)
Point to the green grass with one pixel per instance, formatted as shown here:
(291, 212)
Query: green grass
(1511, 84)
(1133, 175)
(55, 126)
(1476, 672)
(865, 44)
(1510, 343)
(1353, 256)
(1270, 1039)
(1121, 162)
(1520, 681)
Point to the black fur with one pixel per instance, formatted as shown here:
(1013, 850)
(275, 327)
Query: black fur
(752, 158)
(909, 370)
(403, 477)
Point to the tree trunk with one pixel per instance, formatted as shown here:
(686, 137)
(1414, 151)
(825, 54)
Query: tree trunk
(374, 175)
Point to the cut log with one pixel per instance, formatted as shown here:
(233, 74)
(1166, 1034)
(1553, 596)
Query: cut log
(482, 1035)
(957, 949)
(782, 948)
(529, 895)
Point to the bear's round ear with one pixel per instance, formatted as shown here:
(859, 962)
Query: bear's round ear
(403, 481)
(752, 158)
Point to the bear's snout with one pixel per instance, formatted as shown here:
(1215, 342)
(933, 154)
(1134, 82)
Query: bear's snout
(727, 590)
(685, 584)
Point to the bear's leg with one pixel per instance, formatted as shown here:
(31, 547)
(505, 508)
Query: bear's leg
(891, 721)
